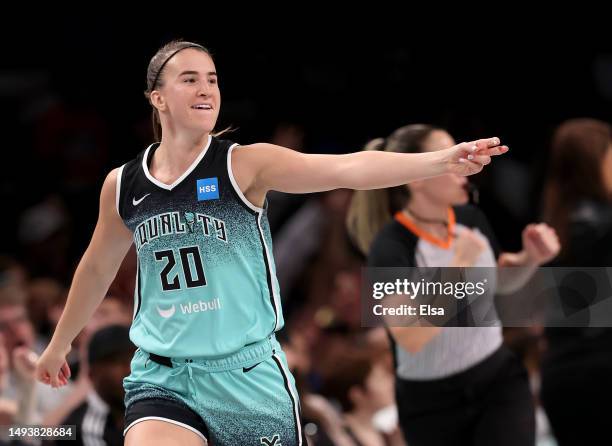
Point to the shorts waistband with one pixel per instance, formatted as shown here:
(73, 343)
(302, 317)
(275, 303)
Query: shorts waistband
(246, 356)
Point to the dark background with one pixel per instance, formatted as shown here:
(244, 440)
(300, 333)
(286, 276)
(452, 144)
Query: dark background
(73, 105)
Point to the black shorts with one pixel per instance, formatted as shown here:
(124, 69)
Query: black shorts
(168, 410)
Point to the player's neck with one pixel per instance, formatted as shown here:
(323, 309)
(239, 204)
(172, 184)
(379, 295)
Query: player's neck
(178, 147)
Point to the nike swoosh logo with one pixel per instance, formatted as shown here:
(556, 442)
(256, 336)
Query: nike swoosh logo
(248, 369)
(136, 202)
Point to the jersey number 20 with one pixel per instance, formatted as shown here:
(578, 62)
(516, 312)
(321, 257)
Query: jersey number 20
(185, 253)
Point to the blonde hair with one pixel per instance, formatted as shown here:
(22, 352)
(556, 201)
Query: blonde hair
(370, 210)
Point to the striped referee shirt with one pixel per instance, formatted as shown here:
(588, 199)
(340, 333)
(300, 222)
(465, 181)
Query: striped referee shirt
(401, 243)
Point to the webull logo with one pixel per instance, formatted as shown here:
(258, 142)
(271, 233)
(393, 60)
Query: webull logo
(190, 308)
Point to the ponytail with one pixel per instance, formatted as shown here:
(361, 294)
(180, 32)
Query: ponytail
(369, 209)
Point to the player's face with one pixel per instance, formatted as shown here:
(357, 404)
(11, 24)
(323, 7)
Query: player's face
(191, 92)
(445, 190)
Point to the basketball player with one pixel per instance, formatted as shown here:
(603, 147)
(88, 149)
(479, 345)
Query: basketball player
(207, 302)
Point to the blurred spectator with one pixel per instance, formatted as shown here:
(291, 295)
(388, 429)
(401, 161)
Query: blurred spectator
(8, 408)
(15, 324)
(311, 249)
(365, 391)
(318, 355)
(100, 418)
(43, 294)
(111, 311)
(12, 273)
(34, 400)
(528, 344)
(576, 369)
(297, 242)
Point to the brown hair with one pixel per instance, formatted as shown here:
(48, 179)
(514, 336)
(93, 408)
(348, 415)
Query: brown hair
(155, 77)
(370, 210)
(577, 149)
(347, 375)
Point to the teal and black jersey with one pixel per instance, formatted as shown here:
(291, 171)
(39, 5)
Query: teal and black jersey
(206, 282)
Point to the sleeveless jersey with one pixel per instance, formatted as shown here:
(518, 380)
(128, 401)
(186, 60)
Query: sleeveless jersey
(206, 282)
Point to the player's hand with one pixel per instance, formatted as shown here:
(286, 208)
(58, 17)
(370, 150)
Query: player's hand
(469, 158)
(52, 367)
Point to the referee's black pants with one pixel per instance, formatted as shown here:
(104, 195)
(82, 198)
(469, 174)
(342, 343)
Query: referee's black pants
(487, 404)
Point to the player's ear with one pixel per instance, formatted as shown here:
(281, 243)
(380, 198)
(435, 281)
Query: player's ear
(157, 100)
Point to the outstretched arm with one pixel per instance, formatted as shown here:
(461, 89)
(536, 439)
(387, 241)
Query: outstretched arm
(263, 167)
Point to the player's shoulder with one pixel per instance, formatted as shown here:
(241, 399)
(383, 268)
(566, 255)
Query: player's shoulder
(133, 169)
